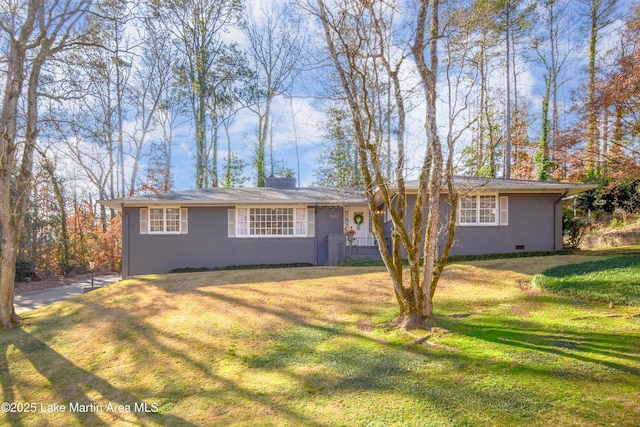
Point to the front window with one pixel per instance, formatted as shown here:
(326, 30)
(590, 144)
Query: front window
(164, 220)
(271, 221)
(478, 210)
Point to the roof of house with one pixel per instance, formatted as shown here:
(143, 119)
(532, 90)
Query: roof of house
(329, 196)
(467, 183)
(245, 196)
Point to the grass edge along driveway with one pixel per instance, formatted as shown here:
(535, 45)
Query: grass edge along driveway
(297, 347)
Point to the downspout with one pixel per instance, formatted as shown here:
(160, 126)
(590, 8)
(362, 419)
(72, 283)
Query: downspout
(315, 234)
(555, 221)
(125, 243)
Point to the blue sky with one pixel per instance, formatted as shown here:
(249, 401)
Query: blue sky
(297, 121)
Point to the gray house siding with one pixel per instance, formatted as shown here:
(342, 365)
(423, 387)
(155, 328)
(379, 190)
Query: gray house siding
(205, 245)
(329, 221)
(531, 227)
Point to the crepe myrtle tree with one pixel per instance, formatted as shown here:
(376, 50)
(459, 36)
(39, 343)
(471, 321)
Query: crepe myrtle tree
(32, 33)
(364, 41)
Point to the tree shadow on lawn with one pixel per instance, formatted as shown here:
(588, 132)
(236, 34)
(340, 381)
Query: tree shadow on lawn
(296, 308)
(613, 279)
(581, 346)
(367, 365)
(348, 369)
(154, 343)
(526, 265)
(378, 367)
(177, 282)
(71, 383)
(121, 316)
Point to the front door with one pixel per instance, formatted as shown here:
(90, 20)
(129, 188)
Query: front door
(356, 218)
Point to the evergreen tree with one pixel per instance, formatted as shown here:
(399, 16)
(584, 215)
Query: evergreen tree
(338, 164)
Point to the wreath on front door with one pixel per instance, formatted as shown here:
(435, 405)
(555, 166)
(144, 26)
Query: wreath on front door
(358, 218)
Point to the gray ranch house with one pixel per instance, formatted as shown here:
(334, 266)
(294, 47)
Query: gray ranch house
(282, 224)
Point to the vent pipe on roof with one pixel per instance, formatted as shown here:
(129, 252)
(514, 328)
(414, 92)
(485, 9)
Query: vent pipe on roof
(282, 183)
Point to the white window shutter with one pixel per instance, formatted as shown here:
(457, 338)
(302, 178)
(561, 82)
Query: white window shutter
(311, 222)
(231, 223)
(504, 210)
(184, 221)
(144, 220)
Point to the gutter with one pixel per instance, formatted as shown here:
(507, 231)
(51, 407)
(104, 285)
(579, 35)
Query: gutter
(555, 221)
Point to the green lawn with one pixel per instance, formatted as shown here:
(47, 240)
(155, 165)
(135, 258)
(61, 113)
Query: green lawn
(296, 347)
(614, 279)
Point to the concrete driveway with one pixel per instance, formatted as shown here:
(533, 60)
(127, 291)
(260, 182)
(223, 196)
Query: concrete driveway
(35, 299)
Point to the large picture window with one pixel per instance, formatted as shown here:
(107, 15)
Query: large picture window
(480, 210)
(268, 221)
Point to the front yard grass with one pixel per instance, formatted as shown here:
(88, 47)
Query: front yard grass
(296, 347)
(615, 280)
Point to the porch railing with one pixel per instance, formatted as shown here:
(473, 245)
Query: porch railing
(359, 247)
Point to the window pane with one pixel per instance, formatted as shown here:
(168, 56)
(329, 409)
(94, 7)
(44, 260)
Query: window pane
(270, 221)
(172, 220)
(468, 210)
(242, 219)
(156, 220)
(468, 202)
(488, 209)
(301, 221)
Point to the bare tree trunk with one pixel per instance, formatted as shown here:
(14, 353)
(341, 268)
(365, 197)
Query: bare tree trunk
(431, 180)
(13, 219)
(58, 191)
(28, 53)
(593, 151)
(263, 128)
(13, 206)
(358, 49)
(507, 112)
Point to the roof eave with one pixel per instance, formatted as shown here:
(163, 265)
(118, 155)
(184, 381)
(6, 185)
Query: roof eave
(120, 204)
(116, 205)
(570, 189)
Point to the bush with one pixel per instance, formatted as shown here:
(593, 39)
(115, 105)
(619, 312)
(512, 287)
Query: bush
(239, 267)
(575, 231)
(608, 197)
(616, 223)
(25, 269)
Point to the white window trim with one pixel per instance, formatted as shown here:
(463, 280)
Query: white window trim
(145, 220)
(498, 209)
(303, 219)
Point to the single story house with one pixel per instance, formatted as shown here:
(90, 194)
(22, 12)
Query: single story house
(282, 224)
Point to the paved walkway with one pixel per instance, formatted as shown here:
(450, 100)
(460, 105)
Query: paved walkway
(35, 299)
